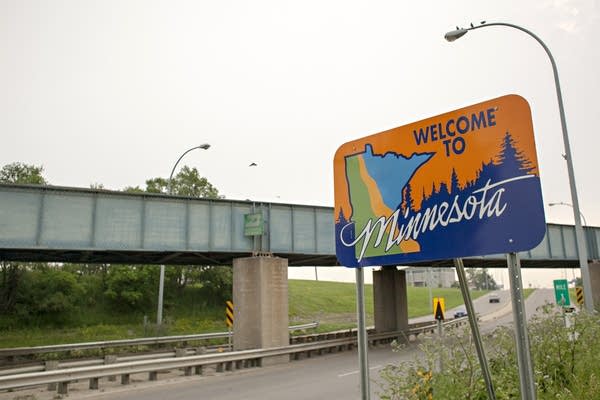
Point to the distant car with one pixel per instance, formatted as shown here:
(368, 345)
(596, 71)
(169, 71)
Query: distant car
(460, 314)
(494, 298)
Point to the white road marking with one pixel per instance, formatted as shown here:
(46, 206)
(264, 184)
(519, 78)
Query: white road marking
(356, 372)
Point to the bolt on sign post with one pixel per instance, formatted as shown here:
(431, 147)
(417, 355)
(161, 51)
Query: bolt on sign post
(461, 184)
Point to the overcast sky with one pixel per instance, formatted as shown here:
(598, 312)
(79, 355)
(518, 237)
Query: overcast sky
(113, 92)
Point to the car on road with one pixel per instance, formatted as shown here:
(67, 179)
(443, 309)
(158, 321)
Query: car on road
(460, 314)
(494, 298)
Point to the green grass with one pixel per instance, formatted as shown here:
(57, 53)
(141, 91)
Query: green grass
(333, 304)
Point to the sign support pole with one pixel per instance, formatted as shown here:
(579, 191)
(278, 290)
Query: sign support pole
(521, 337)
(440, 363)
(362, 335)
(464, 288)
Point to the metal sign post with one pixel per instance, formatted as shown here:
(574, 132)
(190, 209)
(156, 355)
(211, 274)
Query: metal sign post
(363, 360)
(464, 288)
(520, 319)
(438, 315)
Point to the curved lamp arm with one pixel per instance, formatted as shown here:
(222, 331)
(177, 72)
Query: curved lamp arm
(204, 146)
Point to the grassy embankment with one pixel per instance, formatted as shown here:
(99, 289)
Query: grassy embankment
(333, 304)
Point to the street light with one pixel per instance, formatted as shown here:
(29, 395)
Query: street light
(204, 146)
(161, 283)
(570, 205)
(579, 235)
(561, 203)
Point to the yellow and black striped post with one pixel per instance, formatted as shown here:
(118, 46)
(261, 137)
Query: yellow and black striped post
(229, 313)
(229, 319)
(579, 295)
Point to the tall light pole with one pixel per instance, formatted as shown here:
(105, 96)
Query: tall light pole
(579, 235)
(161, 283)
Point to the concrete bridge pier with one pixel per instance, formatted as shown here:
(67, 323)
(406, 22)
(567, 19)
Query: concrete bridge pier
(260, 304)
(390, 300)
(594, 268)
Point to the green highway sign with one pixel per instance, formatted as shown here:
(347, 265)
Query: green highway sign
(561, 292)
(254, 224)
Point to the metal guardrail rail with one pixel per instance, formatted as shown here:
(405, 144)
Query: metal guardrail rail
(20, 351)
(196, 363)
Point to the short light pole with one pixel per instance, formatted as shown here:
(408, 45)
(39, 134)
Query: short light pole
(161, 282)
(579, 234)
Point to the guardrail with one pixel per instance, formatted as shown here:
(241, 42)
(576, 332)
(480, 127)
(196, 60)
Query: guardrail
(20, 351)
(195, 364)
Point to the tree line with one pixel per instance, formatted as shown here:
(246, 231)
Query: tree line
(56, 293)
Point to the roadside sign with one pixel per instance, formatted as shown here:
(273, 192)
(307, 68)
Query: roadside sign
(439, 308)
(464, 183)
(579, 295)
(561, 292)
(253, 224)
(229, 313)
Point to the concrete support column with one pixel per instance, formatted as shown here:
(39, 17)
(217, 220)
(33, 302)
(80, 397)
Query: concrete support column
(260, 304)
(390, 300)
(594, 269)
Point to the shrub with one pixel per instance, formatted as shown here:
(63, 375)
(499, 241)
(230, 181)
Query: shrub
(565, 361)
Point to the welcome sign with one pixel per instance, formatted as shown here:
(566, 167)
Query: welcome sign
(465, 183)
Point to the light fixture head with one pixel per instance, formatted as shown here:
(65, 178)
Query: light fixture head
(204, 146)
(561, 203)
(455, 34)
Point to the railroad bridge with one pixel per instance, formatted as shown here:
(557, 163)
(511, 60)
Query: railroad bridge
(59, 224)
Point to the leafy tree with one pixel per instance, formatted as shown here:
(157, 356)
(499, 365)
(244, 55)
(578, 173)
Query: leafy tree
(131, 288)
(21, 173)
(216, 283)
(10, 279)
(49, 293)
(133, 189)
(187, 182)
(480, 279)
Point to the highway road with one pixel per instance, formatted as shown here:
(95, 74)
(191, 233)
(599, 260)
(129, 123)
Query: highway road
(333, 376)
